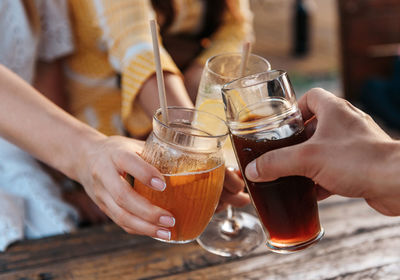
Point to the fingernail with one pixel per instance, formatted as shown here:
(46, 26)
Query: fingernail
(251, 171)
(167, 221)
(163, 234)
(158, 184)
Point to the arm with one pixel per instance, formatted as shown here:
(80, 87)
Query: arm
(126, 32)
(347, 154)
(35, 124)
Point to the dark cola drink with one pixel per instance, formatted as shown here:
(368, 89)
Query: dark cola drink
(287, 206)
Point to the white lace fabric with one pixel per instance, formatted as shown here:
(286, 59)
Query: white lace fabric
(30, 201)
(20, 47)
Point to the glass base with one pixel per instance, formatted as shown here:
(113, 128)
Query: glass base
(247, 236)
(174, 241)
(288, 249)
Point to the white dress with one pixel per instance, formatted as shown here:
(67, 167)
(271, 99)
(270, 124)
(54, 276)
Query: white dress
(30, 200)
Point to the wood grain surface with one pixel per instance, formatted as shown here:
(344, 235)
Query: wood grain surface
(359, 244)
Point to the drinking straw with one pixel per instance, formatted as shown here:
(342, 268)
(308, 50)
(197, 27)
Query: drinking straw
(159, 74)
(246, 49)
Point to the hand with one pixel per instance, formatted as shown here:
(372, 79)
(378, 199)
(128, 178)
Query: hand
(83, 154)
(102, 174)
(232, 192)
(347, 154)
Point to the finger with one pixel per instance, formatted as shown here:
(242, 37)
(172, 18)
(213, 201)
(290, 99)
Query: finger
(313, 101)
(322, 193)
(132, 223)
(125, 197)
(131, 163)
(310, 126)
(233, 183)
(221, 206)
(288, 161)
(237, 200)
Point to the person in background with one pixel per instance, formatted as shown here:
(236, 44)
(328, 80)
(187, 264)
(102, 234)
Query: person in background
(31, 204)
(111, 76)
(347, 154)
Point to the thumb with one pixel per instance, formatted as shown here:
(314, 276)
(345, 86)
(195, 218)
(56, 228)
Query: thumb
(278, 163)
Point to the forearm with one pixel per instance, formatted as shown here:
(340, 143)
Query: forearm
(38, 126)
(175, 92)
(385, 180)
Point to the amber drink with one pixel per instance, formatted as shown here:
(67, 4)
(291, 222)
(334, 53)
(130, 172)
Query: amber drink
(189, 156)
(262, 116)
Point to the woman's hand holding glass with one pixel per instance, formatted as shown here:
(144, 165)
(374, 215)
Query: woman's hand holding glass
(102, 173)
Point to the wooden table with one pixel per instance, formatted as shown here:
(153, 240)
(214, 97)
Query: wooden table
(359, 244)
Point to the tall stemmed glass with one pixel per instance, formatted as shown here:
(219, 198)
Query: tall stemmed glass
(230, 233)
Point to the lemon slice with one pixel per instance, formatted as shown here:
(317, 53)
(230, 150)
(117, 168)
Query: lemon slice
(213, 106)
(206, 122)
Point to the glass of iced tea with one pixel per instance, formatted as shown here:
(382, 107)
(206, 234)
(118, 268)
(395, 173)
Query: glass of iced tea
(262, 115)
(188, 153)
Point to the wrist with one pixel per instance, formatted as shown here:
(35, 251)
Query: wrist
(386, 177)
(394, 168)
(84, 143)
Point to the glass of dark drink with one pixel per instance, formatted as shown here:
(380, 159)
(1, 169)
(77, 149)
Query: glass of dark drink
(262, 115)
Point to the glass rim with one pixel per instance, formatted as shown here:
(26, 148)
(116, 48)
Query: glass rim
(179, 108)
(206, 66)
(229, 86)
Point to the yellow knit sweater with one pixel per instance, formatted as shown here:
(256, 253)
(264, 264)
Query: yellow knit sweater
(114, 37)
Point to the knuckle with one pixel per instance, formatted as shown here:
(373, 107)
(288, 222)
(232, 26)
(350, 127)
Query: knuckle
(102, 206)
(120, 218)
(123, 157)
(307, 157)
(98, 195)
(265, 161)
(307, 151)
(121, 196)
(313, 91)
(129, 230)
(153, 214)
(148, 211)
(316, 90)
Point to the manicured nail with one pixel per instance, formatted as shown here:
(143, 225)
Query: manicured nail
(167, 221)
(163, 234)
(251, 171)
(158, 184)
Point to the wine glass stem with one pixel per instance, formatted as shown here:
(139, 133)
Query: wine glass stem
(230, 212)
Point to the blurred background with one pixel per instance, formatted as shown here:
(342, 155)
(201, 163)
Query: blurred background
(349, 47)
